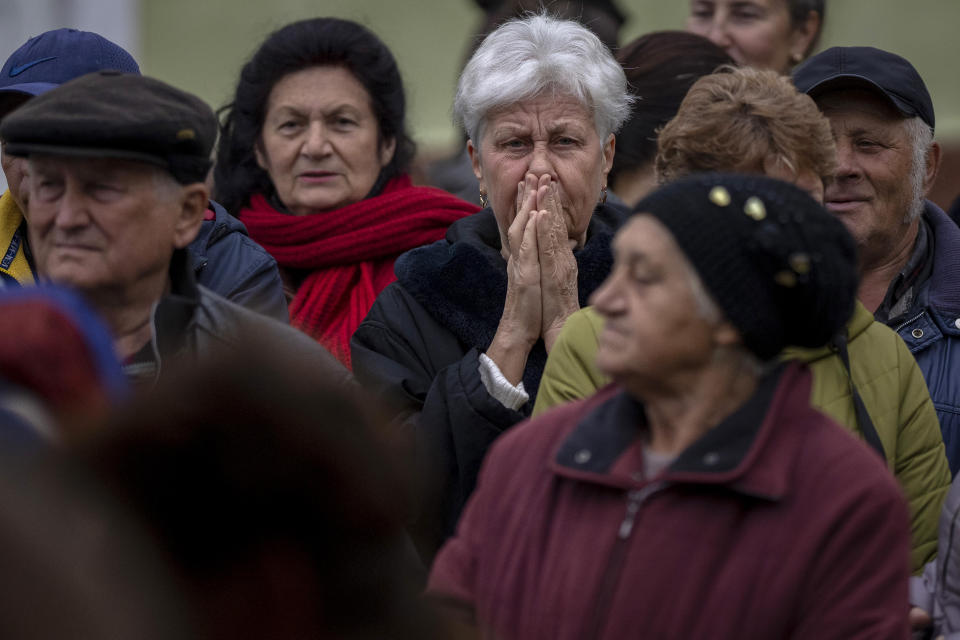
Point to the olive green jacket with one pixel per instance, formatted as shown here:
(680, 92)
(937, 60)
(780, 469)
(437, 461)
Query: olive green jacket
(886, 376)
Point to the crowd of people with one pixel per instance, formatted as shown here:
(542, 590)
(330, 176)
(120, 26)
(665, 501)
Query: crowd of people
(666, 350)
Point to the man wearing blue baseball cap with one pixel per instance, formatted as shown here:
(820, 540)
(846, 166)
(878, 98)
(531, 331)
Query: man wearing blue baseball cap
(909, 250)
(224, 257)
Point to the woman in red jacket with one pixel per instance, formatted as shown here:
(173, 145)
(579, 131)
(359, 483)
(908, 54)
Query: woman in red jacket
(703, 497)
(313, 157)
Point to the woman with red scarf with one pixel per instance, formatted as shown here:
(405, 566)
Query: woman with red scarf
(312, 157)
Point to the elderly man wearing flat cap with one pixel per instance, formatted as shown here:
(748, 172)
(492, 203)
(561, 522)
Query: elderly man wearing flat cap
(909, 250)
(225, 259)
(117, 165)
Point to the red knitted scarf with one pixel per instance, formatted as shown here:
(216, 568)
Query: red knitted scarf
(350, 252)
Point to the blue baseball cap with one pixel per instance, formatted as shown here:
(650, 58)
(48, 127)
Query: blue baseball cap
(52, 58)
(886, 73)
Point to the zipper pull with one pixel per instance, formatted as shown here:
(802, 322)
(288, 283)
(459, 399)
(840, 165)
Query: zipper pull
(633, 506)
(635, 499)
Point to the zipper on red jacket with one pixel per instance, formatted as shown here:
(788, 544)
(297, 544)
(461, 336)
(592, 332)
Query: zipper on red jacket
(611, 575)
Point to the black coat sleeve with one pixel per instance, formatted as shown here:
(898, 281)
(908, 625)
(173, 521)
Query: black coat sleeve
(432, 388)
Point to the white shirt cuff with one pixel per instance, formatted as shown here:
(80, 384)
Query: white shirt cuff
(497, 385)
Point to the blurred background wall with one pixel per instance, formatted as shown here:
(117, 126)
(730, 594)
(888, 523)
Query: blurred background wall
(200, 45)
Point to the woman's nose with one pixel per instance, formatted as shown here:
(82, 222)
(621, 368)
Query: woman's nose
(718, 33)
(317, 143)
(605, 298)
(540, 162)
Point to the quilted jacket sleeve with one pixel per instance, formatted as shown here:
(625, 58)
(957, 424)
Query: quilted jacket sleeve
(431, 386)
(232, 265)
(571, 372)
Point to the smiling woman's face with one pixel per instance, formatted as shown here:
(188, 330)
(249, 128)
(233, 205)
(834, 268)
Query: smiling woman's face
(320, 141)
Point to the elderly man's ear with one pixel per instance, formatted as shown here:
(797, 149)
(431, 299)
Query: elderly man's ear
(933, 167)
(193, 202)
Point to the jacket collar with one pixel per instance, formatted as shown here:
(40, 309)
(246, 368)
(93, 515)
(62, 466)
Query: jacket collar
(175, 311)
(942, 292)
(606, 446)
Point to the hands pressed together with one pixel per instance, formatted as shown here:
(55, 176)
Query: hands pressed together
(541, 277)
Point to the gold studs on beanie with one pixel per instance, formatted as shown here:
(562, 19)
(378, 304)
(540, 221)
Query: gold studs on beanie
(781, 267)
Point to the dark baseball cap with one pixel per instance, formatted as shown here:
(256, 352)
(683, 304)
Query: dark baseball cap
(117, 115)
(886, 73)
(48, 60)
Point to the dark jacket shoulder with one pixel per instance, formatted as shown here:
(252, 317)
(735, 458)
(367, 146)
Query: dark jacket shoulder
(227, 261)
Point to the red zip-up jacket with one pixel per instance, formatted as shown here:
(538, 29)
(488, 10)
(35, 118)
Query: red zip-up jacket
(775, 524)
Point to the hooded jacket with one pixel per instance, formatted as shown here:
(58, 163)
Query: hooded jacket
(887, 379)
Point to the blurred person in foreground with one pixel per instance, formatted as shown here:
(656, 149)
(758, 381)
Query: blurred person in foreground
(765, 34)
(117, 164)
(57, 367)
(457, 345)
(313, 158)
(76, 563)
(269, 490)
(909, 250)
(224, 259)
(703, 496)
(754, 121)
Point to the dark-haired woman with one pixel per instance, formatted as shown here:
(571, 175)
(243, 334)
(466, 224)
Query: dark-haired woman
(660, 67)
(313, 157)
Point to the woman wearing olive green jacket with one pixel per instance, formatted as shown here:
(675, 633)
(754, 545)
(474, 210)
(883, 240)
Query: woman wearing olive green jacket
(884, 374)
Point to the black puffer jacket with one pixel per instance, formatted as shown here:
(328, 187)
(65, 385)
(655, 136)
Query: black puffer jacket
(419, 348)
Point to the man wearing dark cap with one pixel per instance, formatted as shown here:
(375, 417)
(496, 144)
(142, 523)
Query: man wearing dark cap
(909, 250)
(224, 257)
(117, 165)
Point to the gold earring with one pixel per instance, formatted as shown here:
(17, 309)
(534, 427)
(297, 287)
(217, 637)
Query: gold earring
(603, 195)
(796, 58)
(483, 199)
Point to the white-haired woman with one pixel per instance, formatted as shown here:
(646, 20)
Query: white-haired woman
(457, 345)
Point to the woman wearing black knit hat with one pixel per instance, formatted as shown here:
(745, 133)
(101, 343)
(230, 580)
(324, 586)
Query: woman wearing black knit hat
(703, 496)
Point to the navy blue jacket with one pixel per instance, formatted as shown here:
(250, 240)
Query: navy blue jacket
(227, 261)
(932, 329)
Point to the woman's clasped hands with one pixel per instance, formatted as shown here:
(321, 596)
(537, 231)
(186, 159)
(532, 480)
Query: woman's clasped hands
(541, 276)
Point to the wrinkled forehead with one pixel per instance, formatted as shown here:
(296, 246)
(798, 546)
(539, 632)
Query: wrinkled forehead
(548, 110)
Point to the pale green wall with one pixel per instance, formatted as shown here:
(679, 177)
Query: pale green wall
(200, 45)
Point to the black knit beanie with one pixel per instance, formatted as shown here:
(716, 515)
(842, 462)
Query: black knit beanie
(781, 268)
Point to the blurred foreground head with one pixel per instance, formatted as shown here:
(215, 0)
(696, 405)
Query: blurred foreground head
(74, 564)
(267, 488)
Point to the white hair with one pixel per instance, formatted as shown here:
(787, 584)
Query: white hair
(921, 139)
(538, 54)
